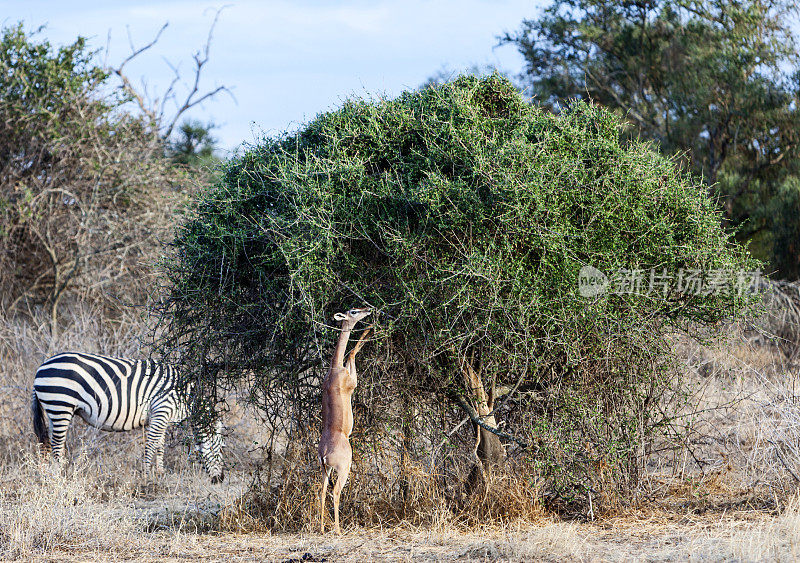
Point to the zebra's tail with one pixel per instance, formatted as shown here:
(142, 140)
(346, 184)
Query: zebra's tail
(40, 422)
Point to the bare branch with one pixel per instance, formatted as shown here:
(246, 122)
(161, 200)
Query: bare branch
(783, 462)
(126, 83)
(156, 110)
(199, 61)
(169, 93)
(136, 52)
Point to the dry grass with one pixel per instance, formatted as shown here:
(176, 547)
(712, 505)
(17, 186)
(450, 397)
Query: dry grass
(727, 493)
(738, 537)
(743, 431)
(95, 506)
(290, 502)
(43, 508)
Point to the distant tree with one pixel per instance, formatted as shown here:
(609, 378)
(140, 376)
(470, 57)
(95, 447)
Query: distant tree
(714, 82)
(194, 144)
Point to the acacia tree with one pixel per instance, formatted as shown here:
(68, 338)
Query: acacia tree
(713, 82)
(463, 215)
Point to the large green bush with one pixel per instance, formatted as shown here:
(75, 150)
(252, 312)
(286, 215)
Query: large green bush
(464, 215)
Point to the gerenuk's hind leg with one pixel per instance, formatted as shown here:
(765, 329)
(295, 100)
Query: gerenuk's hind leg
(342, 473)
(326, 476)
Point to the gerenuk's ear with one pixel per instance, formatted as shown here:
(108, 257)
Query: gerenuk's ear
(340, 317)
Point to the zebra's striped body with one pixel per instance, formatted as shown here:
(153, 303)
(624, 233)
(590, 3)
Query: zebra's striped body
(118, 395)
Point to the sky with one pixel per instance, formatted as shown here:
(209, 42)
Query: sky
(284, 61)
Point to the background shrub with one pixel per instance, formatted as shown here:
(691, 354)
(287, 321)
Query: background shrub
(85, 189)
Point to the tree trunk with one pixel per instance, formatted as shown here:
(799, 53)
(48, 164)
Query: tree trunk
(489, 450)
(406, 452)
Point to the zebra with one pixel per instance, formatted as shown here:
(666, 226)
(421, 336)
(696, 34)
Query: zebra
(116, 394)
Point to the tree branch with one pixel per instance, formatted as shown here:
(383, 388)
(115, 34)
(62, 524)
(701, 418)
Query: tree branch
(155, 111)
(126, 83)
(474, 417)
(199, 62)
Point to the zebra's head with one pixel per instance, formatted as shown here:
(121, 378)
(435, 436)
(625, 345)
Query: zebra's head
(209, 444)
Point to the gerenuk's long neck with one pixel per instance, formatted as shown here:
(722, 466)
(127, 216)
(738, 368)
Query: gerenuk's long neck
(341, 346)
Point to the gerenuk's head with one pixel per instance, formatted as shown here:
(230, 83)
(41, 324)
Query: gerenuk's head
(352, 316)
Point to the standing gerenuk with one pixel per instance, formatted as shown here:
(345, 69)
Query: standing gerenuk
(337, 414)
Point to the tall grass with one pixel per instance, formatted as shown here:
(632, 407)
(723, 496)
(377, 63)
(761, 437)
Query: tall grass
(744, 422)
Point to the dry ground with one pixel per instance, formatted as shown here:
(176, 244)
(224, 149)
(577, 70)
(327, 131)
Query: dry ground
(730, 493)
(737, 536)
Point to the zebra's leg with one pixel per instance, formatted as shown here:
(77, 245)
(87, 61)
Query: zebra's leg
(59, 424)
(154, 446)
